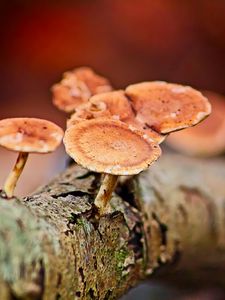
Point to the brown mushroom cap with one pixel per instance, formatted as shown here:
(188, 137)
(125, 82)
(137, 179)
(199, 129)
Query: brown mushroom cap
(87, 112)
(113, 105)
(206, 139)
(30, 135)
(152, 134)
(167, 107)
(110, 146)
(116, 102)
(77, 87)
(95, 83)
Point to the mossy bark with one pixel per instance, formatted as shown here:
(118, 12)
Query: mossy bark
(166, 223)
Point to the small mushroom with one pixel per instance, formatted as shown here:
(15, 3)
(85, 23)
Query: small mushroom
(206, 139)
(111, 147)
(167, 107)
(111, 105)
(27, 135)
(116, 103)
(77, 87)
(88, 111)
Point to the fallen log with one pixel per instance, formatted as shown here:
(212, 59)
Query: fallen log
(166, 223)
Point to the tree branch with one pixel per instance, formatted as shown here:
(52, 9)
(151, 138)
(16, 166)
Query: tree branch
(166, 223)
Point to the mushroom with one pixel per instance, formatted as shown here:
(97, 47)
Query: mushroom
(134, 122)
(111, 147)
(111, 105)
(206, 139)
(114, 105)
(88, 111)
(77, 87)
(167, 107)
(27, 135)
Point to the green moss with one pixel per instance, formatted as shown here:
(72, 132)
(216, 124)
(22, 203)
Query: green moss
(120, 257)
(80, 222)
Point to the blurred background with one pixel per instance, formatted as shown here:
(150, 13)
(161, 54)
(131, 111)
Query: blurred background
(127, 41)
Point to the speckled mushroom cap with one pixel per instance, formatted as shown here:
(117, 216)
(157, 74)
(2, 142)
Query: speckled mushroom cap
(77, 87)
(95, 83)
(167, 107)
(88, 111)
(110, 146)
(113, 105)
(152, 134)
(30, 135)
(206, 139)
(116, 103)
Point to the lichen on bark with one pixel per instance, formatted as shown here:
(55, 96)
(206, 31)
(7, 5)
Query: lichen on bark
(158, 224)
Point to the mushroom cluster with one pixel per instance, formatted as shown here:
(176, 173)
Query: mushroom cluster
(119, 132)
(110, 132)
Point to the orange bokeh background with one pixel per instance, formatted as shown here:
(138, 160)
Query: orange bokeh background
(127, 41)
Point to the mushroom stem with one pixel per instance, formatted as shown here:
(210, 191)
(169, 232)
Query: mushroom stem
(105, 192)
(14, 175)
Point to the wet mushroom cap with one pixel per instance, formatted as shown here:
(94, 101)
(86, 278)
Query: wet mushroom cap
(206, 139)
(77, 87)
(30, 135)
(110, 146)
(167, 107)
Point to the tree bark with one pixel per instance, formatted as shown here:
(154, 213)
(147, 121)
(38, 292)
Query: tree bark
(166, 223)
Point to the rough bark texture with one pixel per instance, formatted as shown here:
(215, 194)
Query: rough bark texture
(166, 223)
